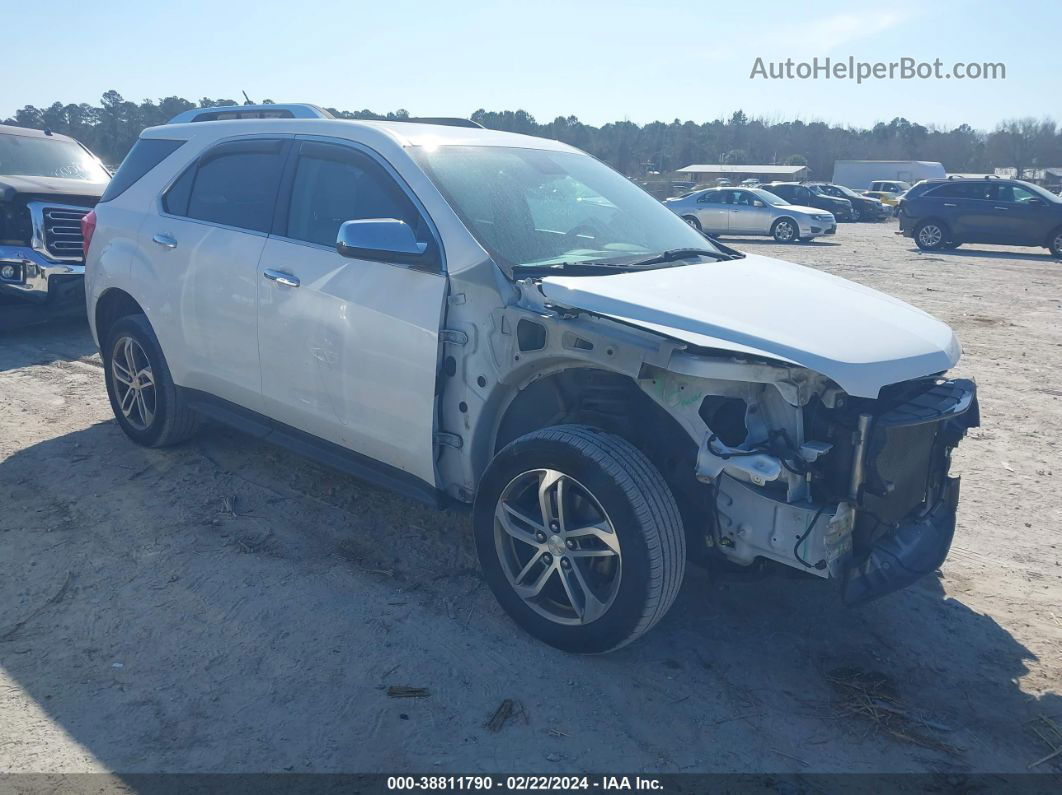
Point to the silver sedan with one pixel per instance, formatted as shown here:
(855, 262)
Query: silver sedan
(751, 211)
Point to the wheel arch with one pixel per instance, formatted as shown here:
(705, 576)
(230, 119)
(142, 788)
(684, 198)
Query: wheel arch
(582, 394)
(114, 304)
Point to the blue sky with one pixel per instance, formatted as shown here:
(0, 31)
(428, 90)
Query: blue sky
(601, 61)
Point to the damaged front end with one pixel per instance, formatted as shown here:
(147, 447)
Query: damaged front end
(903, 497)
(851, 489)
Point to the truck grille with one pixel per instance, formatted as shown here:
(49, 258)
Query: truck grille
(61, 227)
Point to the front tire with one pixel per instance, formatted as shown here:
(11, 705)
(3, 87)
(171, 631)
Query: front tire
(1055, 243)
(144, 398)
(785, 230)
(579, 537)
(931, 236)
(692, 221)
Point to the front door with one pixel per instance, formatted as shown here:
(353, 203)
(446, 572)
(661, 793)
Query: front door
(349, 346)
(748, 215)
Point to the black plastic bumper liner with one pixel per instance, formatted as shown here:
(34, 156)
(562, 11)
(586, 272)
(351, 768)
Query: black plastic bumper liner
(908, 553)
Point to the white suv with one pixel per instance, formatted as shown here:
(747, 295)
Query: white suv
(480, 317)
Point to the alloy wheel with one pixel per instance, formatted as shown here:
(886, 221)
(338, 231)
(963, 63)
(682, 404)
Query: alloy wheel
(557, 547)
(930, 236)
(784, 231)
(134, 383)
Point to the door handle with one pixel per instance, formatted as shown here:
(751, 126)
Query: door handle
(280, 277)
(1002, 208)
(950, 204)
(166, 241)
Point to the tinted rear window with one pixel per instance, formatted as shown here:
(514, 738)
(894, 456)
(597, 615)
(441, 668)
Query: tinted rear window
(144, 156)
(234, 184)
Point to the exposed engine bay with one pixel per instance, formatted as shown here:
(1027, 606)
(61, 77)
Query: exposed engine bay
(846, 488)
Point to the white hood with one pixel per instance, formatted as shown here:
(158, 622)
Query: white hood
(860, 338)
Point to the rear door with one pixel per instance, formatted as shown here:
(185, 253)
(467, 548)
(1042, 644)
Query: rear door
(203, 246)
(961, 206)
(712, 212)
(349, 346)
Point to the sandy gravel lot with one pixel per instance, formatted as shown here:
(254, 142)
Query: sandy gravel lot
(226, 606)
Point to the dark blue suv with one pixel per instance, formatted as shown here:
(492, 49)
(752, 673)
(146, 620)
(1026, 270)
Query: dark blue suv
(943, 214)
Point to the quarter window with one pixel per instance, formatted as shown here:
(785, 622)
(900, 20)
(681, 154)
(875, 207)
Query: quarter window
(233, 184)
(333, 184)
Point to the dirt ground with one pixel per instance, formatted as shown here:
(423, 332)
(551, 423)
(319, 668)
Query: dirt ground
(227, 606)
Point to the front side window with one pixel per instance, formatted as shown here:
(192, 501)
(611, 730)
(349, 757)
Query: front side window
(333, 184)
(25, 156)
(538, 207)
(1023, 194)
(233, 184)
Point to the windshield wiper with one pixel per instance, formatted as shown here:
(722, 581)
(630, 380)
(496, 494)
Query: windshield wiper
(671, 255)
(595, 267)
(586, 268)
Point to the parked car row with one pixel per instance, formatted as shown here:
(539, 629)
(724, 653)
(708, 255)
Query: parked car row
(751, 211)
(479, 317)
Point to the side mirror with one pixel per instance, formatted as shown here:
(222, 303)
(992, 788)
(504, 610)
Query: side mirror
(1036, 202)
(382, 239)
(758, 203)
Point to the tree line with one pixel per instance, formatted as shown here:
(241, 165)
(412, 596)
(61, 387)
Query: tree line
(110, 128)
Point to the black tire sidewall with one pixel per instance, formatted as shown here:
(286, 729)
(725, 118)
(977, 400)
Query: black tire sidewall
(1055, 250)
(692, 221)
(626, 611)
(137, 327)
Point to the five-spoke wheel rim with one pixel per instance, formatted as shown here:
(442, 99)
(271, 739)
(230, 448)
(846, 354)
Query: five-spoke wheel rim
(930, 235)
(134, 383)
(557, 547)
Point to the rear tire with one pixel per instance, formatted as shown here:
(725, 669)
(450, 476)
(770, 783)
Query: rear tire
(857, 214)
(931, 235)
(785, 230)
(951, 245)
(145, 401)
(579, 537)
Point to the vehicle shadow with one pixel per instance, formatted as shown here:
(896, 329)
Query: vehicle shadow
(768, 241)
(226, 606)
(965, 251)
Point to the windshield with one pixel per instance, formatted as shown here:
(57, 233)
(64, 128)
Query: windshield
(537, 207)
(768, 197)
(23, 156)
